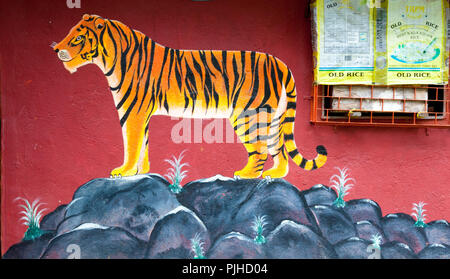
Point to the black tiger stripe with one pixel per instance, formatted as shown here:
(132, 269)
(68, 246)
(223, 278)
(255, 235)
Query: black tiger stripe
(111, 71)
(178, 74)
(291, 94)
(136, 43)
(171, 55)
(288, 78)
(293, 153)
(140, 59)
(255, 87)
(289, 119)
(314, 165)
(158, 84)
(149, 71)
(235, 73)
(303, 163)
(127, 113)
(279, 71)
(123, 65)
(202, 55)
(291, 105)
(225, 73)
(146, 39)
(102, 40)
(274, 79)
(288, 137)
(126, 95)
(267, 91)
(215, 62)
(253, 153)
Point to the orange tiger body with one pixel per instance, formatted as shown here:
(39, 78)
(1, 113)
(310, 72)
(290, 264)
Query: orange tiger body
(255, 91)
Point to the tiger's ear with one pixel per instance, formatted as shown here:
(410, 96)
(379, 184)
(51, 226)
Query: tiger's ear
(86, 17)
(99, 23)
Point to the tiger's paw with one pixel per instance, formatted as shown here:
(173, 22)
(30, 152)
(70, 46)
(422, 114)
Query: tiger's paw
(275, 173)
(244, 174)
(122, 171)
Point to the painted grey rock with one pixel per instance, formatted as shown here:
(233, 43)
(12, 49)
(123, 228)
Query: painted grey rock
(319, 195)
(354, 248)
(139, 217)
(226, 205)
(29, 249)
(51, 221)
(400, 227)
(294, 241)
(172, 235)
(334, 224)
(277, 201)
(367, 230)
(92, 241)
(396, 250)
(438, 232)
(214, 199)
(133, 203)
(236, 246)
(435, 251)
(363, 209)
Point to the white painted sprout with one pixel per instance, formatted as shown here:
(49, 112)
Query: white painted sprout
(419, 214)
(376, 240)
(176, 173)
(31, 217)
(341, 184)
(197, 247)
(258, 227)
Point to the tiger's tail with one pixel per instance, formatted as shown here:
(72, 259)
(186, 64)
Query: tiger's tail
(288, 131)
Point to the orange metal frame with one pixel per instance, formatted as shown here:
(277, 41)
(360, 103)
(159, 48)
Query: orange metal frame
(331, 116)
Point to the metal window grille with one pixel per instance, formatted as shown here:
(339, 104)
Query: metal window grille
(383, 106)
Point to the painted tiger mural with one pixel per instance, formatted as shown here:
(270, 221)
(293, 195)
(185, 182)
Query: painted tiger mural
(255, 91)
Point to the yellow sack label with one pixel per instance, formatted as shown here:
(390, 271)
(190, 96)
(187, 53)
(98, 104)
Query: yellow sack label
(416, 43)
(343, 39)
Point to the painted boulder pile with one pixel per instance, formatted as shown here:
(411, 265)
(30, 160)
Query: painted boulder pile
(221, 218)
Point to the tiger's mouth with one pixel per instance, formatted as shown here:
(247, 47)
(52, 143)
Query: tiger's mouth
(72, 63)
(64, 55)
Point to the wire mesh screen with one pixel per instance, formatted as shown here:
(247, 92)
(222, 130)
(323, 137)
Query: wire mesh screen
(392, 106)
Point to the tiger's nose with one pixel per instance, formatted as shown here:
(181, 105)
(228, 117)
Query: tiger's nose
(56, 50)
(63, 55)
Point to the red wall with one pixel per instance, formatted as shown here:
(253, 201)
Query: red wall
(61, 130)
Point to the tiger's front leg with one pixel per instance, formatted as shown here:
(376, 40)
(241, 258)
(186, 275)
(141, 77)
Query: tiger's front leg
(135, 148)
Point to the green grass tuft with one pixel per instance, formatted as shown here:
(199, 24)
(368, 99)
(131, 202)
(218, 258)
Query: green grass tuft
(197, 247)
(376, 240)
(176, 173)
(258, 227)
(419, 214)
(31, 217)
(341, 184)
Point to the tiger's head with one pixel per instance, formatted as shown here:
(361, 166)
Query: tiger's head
(81, 45)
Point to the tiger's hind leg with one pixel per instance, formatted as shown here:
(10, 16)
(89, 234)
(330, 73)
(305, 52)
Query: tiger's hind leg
(280, 165)
(251, 132)
(144, 163)
(255, 163)
(277, 150)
